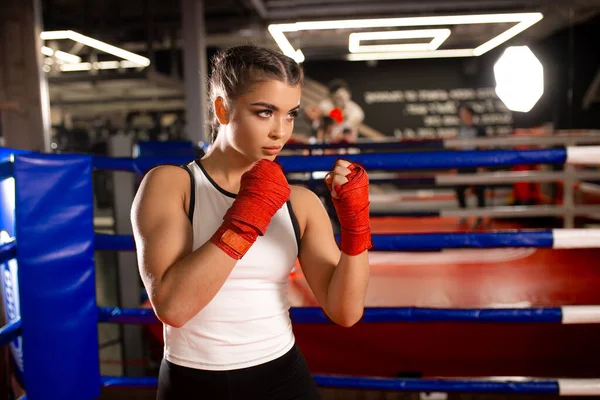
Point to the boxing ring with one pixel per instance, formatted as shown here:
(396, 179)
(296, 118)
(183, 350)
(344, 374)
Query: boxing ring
(47, 257)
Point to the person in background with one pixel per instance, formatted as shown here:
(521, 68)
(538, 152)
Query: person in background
(469, 130)
(339, 106)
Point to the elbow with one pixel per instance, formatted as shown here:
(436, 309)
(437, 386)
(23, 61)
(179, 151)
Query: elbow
(171, 317)
(349, 319)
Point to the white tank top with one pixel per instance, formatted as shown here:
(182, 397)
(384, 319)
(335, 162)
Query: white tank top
(247, 323)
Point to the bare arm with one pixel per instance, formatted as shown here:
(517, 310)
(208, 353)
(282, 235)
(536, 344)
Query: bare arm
(338, 281)
(180, 282)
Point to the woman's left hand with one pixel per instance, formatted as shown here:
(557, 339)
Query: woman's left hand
(349, 186)
(336, 178)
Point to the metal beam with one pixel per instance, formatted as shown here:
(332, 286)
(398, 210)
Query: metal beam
(493, 178)
(195, 69)
(72, 77)
(509, 141)
(115, 100)
(520, 211)
(22, 80)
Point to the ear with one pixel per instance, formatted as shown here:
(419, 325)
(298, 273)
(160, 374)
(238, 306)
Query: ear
(221, 111)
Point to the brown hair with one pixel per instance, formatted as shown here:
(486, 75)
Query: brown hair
(235, 69)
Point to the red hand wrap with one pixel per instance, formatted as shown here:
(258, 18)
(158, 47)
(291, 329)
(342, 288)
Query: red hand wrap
(352, 207)
(263, 190)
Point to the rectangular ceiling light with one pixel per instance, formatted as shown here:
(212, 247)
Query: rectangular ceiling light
(438, 36)
(405, 55)
(522, 20)
(97, 44)
(86, 66)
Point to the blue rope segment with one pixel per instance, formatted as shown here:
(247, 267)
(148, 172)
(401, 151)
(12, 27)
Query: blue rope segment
(438, 241)
(381, 161)
(10, 331)
(399, 242)
(391, 384)
(123, 381)
(114, 242)
(314, 315)
(127, 315)
(8, 251)
(438, 385)
(427, 160)
(6, 170)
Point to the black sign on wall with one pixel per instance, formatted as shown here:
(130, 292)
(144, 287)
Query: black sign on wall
(418, 99)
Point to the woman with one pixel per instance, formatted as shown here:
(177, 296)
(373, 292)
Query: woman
(217, 239)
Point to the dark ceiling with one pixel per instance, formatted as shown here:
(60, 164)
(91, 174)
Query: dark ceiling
(133, 23)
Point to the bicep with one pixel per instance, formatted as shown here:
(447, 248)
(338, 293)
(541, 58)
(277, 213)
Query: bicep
(162, 230)
(319, 253)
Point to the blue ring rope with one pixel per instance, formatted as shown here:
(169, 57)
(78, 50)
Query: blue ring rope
(10, 331)
(382, 161)
(391, 384)
(8, 251)
(6, 170)
(402, 242)
(314, 315)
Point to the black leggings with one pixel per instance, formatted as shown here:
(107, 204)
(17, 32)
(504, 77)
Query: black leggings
(285, 378)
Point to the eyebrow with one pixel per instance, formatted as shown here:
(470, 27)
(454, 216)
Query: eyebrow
(272, 106)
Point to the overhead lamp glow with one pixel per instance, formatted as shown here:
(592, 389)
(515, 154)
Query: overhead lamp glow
(519, 78)
(67, 57)
(61, 55)
(405, 55)
(438, 36)
(96, 44)
(47, 51)
(522, 20)
(285, 46)
(101, 65)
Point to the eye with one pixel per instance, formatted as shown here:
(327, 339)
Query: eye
(293, 114)
(264, 113)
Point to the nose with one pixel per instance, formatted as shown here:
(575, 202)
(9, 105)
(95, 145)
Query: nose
(278, 129)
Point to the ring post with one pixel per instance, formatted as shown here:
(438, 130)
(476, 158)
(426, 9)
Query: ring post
(54, 224)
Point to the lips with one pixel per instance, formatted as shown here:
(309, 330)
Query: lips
(272, 150)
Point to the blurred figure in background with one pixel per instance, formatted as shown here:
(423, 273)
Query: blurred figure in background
(468, 130)
(339, 106)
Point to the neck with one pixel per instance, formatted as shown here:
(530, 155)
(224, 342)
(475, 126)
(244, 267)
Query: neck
(225, 165)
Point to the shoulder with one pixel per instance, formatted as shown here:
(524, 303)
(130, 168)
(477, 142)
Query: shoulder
(304, 203)
(169, 175)
(165, 184)
(300, 194)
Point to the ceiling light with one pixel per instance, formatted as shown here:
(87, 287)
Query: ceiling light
(67, 57)
(100, 65)
(519, 78)
(438, 37)
(47, 51)
(97, 44)
(286, 46)
(405, 55)
(522, 20)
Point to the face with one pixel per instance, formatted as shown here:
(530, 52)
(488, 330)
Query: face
(465, 116)
(340, 97)
(262, 119)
